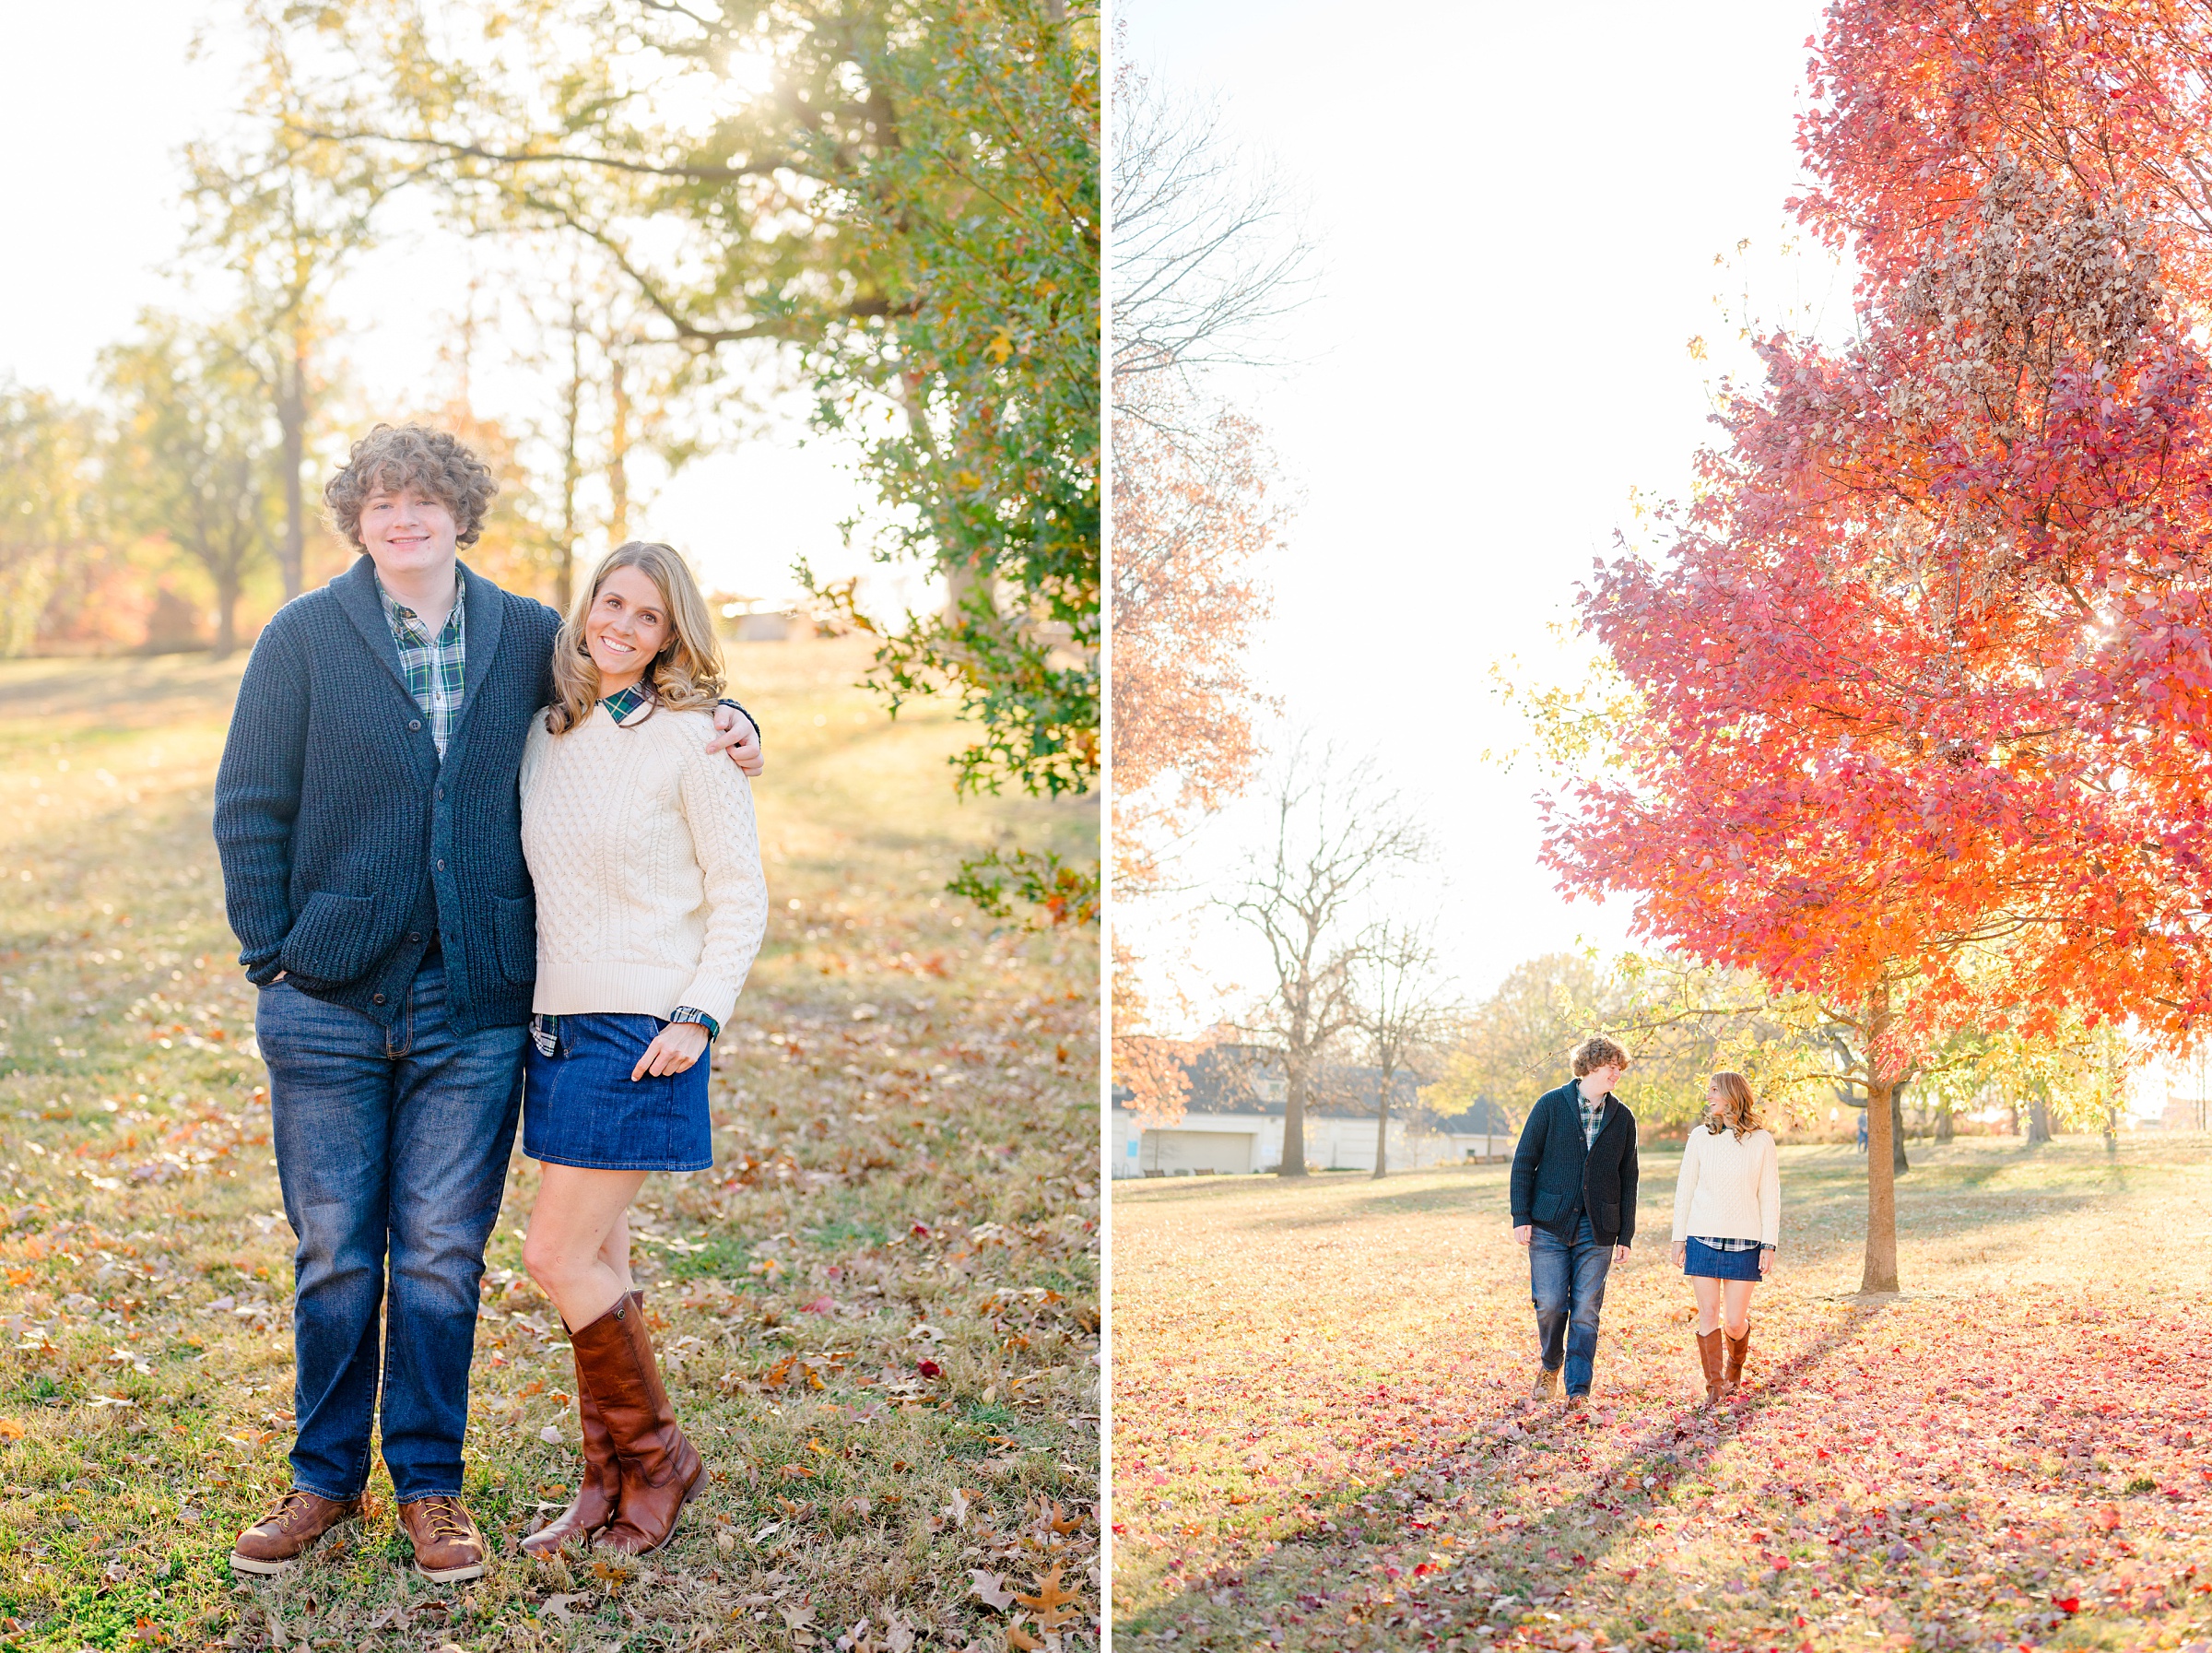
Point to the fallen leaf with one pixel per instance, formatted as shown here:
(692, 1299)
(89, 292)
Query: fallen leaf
(1051, 1602)
(992, 1590)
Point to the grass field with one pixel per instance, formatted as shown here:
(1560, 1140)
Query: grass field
(878, 1312)
(1323, 1438)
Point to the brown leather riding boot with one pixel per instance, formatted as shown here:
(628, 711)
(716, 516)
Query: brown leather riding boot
(1737, 1347)
(660, 1470)
(598, 1486)
(1709, 1357)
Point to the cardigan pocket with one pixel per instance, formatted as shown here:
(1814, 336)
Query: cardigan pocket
(1608, 1218)
(333, 940)
(515, 918)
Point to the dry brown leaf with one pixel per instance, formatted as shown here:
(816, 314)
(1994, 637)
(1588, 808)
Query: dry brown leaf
(1051, 1603)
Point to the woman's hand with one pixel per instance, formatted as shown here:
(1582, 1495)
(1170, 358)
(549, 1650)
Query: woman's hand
(1766, 1259)
(675, 1048)
(1681, 1252)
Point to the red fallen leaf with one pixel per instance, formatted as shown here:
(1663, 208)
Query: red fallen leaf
(2106, 1518)
(1393, 1573)
(2069, 1604)
(1820, 1452)
(820, 1306)
(929, 1368)
(919, 1230)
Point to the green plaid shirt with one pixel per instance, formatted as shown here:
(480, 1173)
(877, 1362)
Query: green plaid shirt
(623, 701)
(1594, 1114)
(434, 669)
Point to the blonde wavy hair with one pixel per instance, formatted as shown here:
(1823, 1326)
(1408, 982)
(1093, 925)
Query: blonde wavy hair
(1739, 1111)
(686, 676)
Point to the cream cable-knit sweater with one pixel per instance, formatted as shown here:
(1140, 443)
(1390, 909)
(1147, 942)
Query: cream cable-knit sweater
(1728, 1190)
(650, 893)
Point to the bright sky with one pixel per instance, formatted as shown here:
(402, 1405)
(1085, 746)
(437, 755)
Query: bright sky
(95, 223)
(1518, 217)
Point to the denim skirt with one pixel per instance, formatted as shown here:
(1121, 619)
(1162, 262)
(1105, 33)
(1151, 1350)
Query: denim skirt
(580, 1107)
(1708, 1263)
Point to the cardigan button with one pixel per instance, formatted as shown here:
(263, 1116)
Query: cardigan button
(376, 998)
(441, 866)
(414, 936)
(413, 723)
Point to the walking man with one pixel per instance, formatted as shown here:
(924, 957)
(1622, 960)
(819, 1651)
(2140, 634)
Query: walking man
(369, 826)
(1573, 1193)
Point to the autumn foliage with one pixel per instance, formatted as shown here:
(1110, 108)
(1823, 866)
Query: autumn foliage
(1921, 678)
(1196, 507)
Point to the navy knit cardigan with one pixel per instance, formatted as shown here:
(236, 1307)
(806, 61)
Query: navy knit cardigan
(346, 845)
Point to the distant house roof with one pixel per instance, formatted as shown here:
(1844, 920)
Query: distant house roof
(1248, 1079)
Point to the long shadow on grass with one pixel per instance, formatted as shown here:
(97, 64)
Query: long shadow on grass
(1547, 1553)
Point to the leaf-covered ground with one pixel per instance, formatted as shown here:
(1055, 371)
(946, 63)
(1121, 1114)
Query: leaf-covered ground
(1322, 1440)
(878, 1312)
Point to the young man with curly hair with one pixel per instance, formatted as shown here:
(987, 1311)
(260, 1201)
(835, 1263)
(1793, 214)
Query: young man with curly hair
(369, 822)
(1573, 1191)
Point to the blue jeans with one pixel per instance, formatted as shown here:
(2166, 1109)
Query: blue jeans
(1567, 1282)
(387, 1145)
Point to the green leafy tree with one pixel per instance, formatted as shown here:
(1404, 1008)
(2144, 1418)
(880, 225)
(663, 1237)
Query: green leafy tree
(902, 198)
(195, 456)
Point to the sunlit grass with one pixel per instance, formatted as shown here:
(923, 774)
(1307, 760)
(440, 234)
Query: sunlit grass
(905, 1173)
(1322, 1437)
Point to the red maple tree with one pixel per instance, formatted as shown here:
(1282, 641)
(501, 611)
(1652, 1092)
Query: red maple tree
(1921, 677)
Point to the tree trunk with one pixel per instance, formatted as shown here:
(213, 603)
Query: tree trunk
(2012, 1118)
(1944, 1130)
(571, 463)
(226, 614)
(1898, 1164)
(2038, 1119)
(1294, 1121)
(618, 464)
(1880, 1272)
(291, 419)
(1382, 1129)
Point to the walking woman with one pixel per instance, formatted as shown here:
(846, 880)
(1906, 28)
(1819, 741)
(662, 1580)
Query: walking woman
(651, 905)
(1727, 1218)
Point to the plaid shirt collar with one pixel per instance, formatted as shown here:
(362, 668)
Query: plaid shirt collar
(435, 667)
(1594, 1114)
(623, 701)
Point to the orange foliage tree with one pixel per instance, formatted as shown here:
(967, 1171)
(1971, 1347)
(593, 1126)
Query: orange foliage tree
(1920, 685)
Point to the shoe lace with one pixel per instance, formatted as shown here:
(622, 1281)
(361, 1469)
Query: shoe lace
(291, 1504)
(446, 1518)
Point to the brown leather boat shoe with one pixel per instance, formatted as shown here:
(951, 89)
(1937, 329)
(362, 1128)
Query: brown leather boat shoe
(282, 1535)
(447, 1544)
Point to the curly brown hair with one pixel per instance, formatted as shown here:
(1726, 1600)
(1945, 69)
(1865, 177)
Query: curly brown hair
(433, 461)
(1595, 1051)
